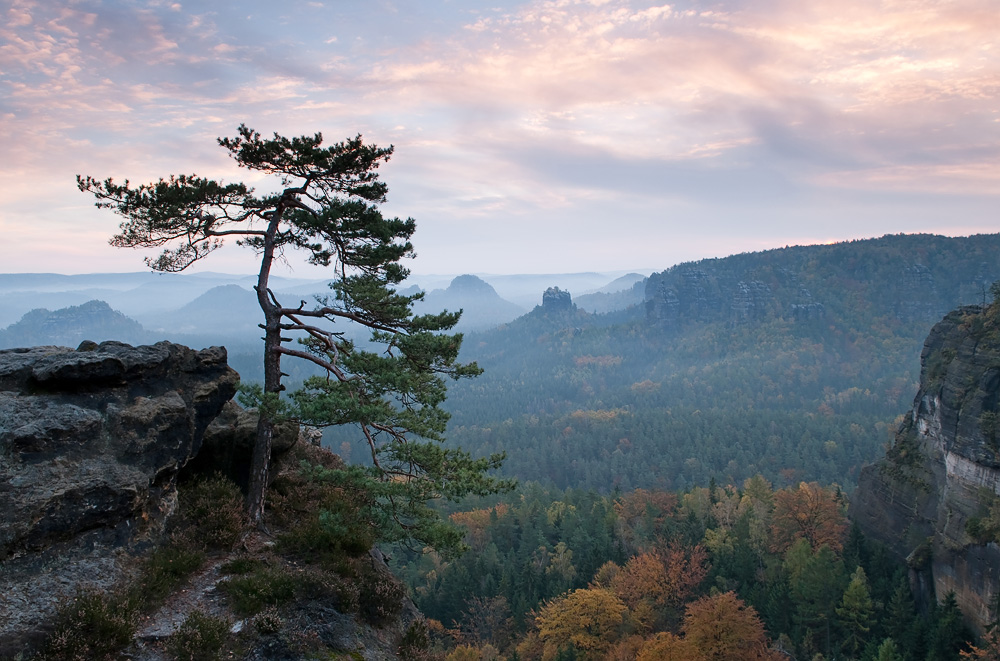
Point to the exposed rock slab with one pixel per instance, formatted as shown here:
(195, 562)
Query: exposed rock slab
(90, 445)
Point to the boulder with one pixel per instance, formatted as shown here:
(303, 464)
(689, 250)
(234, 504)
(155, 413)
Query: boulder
(91, 442)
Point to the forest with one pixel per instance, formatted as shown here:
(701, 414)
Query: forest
(715, 572)
(681, 473)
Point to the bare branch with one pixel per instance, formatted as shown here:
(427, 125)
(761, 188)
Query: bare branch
(325, 364)
(343, 314)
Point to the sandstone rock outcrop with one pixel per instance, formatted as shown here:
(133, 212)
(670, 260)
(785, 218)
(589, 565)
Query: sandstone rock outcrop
(944, 468)
(91, 442)
(556, 300)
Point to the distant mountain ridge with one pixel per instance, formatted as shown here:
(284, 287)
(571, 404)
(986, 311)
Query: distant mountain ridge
(791, 362)
(70, 326)
(912, 277)
(481, 306)
(226, 310)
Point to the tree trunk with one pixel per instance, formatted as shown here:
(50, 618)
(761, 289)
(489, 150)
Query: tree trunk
(259, 471)
(261, 460)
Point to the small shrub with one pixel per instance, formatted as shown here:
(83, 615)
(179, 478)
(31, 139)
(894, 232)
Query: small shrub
(200, 638)
(381, 596)
(268, 621)
(166, 568)
(213, 507)
(93, 626)
(347, 594)
(241, 565)
(250, 593)
(416, 642)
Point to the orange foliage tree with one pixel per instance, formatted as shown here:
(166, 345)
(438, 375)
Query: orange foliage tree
(651, 582)
(988, 649)
(722, 628)
(664, 646)
(808, 512)
(662, 578)
(477, 523)
(645, 516)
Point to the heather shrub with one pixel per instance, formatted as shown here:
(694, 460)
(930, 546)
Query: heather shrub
(201, 637)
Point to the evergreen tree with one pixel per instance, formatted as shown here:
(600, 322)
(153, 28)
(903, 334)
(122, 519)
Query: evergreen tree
(815, 579)
(949, 634)
(854, 615)
(326, 207)
(889, 651)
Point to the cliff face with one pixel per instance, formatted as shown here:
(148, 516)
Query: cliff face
(90, 445)
(943, 468)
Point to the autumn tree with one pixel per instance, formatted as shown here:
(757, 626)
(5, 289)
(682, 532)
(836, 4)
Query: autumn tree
(722, 628)
(645, 517)
(808, 512)
(664, 646)
(327, 206)
(486, 620)
(654, 581)
(987, 650)
(589, 620)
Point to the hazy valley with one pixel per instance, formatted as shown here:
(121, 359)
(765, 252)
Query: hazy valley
(662, 426)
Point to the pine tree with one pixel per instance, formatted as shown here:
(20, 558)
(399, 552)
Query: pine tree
(889, 651)
(854, 615)
(327, 206)
(949, 634)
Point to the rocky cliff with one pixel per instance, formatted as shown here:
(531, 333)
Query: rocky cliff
(943, 468)
(113, 542)
(91, 442)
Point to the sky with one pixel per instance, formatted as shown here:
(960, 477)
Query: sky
(549, 136)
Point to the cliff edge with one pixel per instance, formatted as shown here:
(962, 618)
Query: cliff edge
(91, 442)
(943, 468)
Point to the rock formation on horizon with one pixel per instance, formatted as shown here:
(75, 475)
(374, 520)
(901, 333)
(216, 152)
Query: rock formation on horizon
(556, 300)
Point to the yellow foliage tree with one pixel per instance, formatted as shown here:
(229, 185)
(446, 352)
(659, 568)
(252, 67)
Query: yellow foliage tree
(664, 646)
(463, 653)
(589, 620)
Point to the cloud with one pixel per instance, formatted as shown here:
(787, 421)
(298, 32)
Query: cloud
(554, 109)
(857, 84)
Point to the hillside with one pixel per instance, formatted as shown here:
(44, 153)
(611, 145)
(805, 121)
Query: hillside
(793, 363)
(70, 326)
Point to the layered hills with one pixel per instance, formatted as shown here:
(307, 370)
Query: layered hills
(793, 363)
